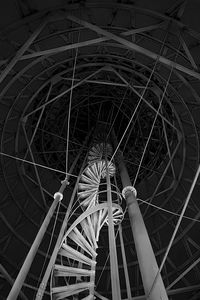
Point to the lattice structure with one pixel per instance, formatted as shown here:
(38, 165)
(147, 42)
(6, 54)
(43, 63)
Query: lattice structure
(131, 67)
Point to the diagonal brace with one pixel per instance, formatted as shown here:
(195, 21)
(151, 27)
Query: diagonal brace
(135, 47)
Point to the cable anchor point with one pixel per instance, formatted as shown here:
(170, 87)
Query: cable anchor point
(65, 181)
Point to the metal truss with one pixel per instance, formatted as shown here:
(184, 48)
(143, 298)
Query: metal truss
(114, 63)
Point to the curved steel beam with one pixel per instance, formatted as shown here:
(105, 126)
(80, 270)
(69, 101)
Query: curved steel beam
(135, 47)
(21, 51)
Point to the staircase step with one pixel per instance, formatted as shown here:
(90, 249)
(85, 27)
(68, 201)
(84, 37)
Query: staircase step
(62, 292)
(87, 186)
(104, 216)
(95, 170)
(94, 220)
(70, 252)
(60, 270)
(87, 179)
(89, 172)
(77, 237)
(92, 231)
(99, 224)
(90, 201)
(87, 193)
(89, 232)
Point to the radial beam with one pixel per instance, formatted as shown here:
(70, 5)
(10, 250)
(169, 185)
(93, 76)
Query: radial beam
(188, 53)
(52, 51)
(98, 82)
(184, 273)
(88, 42)
(21, 51)
(135, 47)
(177, 9)
(63, 48)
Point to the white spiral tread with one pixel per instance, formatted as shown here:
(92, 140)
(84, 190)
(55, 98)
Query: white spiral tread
(78, 247)
(77, 254)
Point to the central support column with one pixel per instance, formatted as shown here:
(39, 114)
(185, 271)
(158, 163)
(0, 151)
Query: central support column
(145, 254)
(115, 283)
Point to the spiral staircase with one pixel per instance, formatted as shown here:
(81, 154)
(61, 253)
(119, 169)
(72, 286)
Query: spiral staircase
(74, 272)
(105, 56)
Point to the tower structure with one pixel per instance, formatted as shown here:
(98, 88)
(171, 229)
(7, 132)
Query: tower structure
(99, 142)
(72, 267)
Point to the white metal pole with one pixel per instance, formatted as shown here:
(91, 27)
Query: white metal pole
(32, 252)
(146, 258)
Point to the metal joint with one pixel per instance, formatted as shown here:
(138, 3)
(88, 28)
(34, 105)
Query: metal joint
(58, 194)
(129, 188)
(65, 181)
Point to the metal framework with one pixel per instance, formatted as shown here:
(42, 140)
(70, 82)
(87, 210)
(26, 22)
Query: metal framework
(138, 79)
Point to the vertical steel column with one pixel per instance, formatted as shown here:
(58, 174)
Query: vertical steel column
(32, 252)
(145, 254)
(116, 293)
(128, 287)
(11, 281)
(52, 260)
